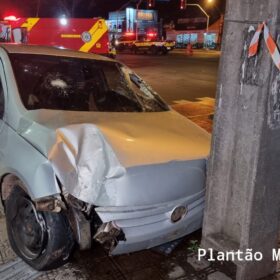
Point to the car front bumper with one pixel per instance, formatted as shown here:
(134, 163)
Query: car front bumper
(150, 226)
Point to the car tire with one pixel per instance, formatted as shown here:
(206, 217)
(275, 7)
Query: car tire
(44, 240)
(164, 51)
(134, 49)
(153, 50)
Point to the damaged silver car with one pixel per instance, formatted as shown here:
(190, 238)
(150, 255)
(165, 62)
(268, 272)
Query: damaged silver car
(89, 152)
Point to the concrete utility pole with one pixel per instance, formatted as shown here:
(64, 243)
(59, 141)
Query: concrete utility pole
(243, 187)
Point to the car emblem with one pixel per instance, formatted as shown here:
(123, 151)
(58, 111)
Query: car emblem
(178, 213)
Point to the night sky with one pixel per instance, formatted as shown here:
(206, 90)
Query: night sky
(94, 8)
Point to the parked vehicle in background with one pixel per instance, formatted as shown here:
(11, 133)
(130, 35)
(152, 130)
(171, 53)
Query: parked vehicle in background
(143, 44)
(86, 35)
(90, 151)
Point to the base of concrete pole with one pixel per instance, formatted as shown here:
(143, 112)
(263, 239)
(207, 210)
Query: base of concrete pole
(244, 270)
(243, 186)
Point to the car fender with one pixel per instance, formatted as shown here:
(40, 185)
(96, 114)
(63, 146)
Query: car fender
(20, 158)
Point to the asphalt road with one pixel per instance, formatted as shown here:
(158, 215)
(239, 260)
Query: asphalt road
(177, 76)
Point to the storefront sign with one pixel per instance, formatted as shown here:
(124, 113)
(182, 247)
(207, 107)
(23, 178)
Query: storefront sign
(145, 15)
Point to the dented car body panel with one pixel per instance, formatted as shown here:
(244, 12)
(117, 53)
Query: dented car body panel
(17, 156)
(138, 156)
(146, 227)
(135, 167)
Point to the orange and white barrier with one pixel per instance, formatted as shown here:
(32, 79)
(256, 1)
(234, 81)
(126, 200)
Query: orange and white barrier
(271, 45)
(253, 48)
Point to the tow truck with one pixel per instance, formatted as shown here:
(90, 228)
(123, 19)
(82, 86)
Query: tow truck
(143, 44)
(86, 35)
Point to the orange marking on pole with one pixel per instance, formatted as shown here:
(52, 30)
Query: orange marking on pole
(270, 44)
(253, 49)
(260, 27)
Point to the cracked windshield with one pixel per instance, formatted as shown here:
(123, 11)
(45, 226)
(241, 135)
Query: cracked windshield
(60, 83)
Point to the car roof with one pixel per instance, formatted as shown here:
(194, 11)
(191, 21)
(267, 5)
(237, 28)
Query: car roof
(54, 51)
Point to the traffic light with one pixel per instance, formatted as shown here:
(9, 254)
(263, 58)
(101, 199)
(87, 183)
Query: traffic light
(151, 3)
(183, 4)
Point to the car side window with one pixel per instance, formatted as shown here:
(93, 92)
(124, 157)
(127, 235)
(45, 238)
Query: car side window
(2, 101)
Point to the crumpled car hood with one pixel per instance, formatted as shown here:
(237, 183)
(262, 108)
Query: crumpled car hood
(118, 159)
(136, 138)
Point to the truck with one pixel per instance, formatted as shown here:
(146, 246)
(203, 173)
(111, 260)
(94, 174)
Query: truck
(143, 44)
(86, 35)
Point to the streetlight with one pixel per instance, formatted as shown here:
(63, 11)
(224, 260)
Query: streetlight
(219, 41)
(183, 5)
(151, 3)
(207, 16)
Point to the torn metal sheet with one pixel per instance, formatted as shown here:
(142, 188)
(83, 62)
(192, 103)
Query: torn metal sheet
(109, 235)
(83, 160)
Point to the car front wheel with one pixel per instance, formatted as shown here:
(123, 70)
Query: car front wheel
(44, 240)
